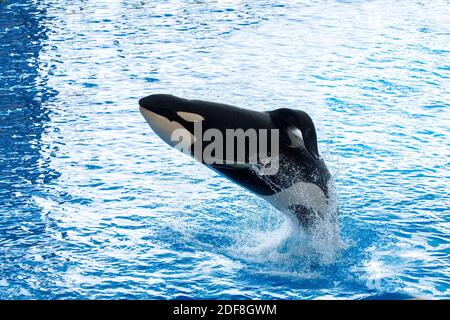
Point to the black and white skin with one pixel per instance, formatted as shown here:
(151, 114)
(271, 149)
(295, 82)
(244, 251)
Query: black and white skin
(300, 185)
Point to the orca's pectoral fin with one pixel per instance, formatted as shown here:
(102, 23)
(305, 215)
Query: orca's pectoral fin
(233, 166)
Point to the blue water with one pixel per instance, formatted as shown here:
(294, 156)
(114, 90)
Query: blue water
(94, 205)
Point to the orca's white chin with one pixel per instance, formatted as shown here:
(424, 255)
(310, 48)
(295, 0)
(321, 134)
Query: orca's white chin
(163, 127)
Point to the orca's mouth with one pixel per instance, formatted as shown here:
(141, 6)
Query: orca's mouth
(160, 104)
(148, 104)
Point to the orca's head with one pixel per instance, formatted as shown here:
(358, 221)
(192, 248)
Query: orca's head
(170, 116)
(166, 113)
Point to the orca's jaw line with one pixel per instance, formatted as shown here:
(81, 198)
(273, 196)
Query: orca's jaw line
(165, 128)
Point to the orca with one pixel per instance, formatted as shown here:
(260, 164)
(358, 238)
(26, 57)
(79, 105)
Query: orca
(300, 183)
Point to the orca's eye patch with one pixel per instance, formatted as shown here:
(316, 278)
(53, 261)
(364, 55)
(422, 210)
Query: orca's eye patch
(189, 116)
(295, 137)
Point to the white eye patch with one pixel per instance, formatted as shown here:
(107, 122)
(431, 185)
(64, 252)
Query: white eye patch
(189, 116)
(295, 137)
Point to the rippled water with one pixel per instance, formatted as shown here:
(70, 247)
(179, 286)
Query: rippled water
(94, 205)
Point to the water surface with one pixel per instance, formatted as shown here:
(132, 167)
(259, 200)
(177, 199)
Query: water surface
(94, 205)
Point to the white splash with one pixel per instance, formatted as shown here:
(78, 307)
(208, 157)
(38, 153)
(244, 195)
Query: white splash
(274, 237)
